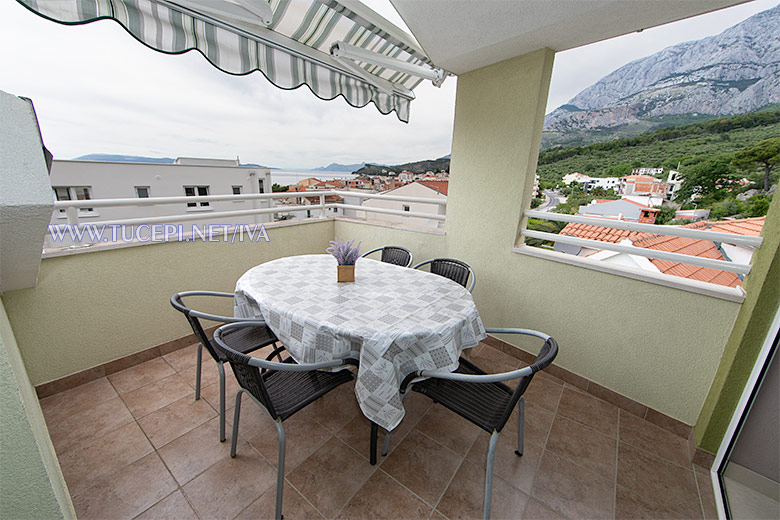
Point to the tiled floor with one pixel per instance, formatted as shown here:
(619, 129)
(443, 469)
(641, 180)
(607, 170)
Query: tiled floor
(137, 445)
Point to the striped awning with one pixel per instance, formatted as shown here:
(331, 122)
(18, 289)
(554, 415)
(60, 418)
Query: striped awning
(291, 49)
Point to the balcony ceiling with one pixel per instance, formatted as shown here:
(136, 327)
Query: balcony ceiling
(464, 35)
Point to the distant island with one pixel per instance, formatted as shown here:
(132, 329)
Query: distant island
(336, 167)
(428, 165)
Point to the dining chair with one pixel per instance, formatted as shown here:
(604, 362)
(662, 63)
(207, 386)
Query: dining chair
(244, 341)
(482, 398)
(393, 255)
(455, 270)
(280, 389)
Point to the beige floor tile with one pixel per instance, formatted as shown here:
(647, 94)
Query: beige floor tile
(184, 359)
(172, 507)
(493, 361)
(422, 465)
(84, 427)
(331, 476)
(517, 471)
(535, 510)
(544, 392)
(303, 437)
(211, 393)
(154, 396)
(382, 498)
(64, 404)
(130, 492)
(589, 410)
(195, 451)
(100, 459)
(335, 409)
(572, 490)
(135, 377)
(652, 439)
(449, 429)
(629, 505)
(415, 407)
(586, 447)
(464, 498)
(294, 506)
(706, 493)
(357, 434)
(658, 480)
(230, 485)
(168, 423)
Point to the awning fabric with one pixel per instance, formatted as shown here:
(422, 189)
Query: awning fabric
(292, 51)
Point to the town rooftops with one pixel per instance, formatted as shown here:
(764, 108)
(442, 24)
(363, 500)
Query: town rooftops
(440, 186)
(682, 245)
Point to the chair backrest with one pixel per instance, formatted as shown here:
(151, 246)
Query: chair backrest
(248, 376)
(393, 255)
(193, 316)
(247, 369)
(455, 270)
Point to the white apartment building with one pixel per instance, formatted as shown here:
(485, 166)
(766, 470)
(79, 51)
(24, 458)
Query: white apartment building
(423, 189)
(87, 180)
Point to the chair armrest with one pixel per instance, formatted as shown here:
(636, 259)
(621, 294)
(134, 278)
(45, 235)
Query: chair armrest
(176, 302)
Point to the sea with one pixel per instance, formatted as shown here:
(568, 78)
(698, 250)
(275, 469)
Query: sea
(288, 177)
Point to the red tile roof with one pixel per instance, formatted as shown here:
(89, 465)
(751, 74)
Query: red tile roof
(440, 186)
(687, 246)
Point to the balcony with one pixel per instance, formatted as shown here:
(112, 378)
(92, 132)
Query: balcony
(627, 422)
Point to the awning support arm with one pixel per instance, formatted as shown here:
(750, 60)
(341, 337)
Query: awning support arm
(343, 51)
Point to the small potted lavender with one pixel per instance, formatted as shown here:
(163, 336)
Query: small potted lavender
(346, 255)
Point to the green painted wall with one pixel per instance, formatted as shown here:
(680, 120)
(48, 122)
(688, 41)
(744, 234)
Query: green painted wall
(91, 308)
(633, 337)
(747, 337)
(31, 484)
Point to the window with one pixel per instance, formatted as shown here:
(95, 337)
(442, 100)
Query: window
(74, 193)
(142, 192)
(237, 190)
(262, 189)
(406, 208)
(193, 191)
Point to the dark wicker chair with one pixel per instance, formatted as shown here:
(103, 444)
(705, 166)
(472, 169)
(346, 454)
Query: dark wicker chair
(393, 255)
(281, 389)
(482, 398)
(244, 341)
(455, 270)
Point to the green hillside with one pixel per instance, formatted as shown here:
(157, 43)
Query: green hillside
(665, 147)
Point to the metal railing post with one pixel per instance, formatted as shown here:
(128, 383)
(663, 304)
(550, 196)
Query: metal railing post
(322, 206)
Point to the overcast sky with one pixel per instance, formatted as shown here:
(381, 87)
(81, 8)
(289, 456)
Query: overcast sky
(97, 90)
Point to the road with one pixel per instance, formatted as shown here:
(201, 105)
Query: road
(551, 199)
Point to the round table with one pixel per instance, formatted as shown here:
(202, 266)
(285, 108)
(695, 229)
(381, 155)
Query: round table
(393, 319)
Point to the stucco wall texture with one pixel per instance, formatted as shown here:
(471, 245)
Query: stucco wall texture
(91, 308)
(32, 484)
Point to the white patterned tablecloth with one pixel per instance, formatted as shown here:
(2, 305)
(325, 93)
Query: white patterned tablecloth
(393, 319)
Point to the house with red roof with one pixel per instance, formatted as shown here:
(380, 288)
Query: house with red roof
(673, 244)
(423, 189)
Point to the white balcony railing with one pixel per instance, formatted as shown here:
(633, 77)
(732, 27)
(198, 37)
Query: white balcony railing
(73, 218)
(723, 265)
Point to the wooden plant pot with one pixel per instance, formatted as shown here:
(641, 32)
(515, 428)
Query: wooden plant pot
(346, 273)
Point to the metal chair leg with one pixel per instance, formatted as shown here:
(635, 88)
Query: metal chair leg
(520, 424)
(280, 470)
(236, 417)
(489, 475)
(197, 372)
(372, 448)
(386, 445)
(221, 402)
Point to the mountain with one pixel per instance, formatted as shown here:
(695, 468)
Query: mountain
(107, 157)
(429, 165)
(336, 167)
(734, 72)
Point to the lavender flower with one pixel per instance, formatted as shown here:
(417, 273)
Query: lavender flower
(344, 252)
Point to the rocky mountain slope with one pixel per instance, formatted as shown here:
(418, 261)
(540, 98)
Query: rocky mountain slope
(734, 72)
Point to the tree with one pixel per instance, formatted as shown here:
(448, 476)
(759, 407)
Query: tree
(757, 206)
(620, 170)
(703, 177)
(277, 188)
(765, 154)
(666, 215)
